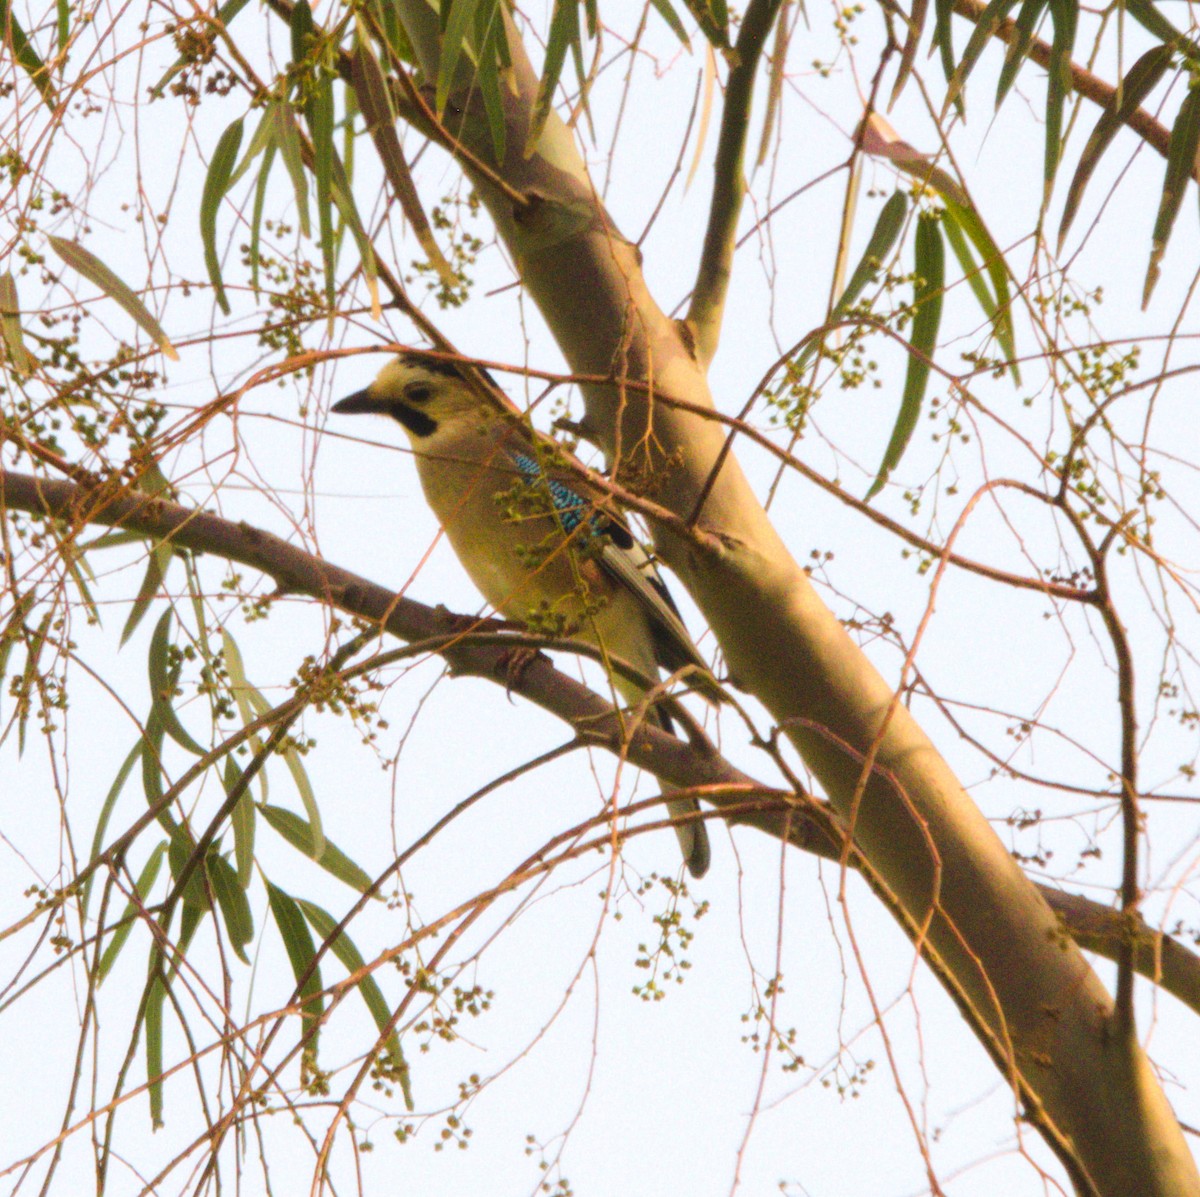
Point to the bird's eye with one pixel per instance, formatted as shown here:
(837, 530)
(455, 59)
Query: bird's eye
(418, 392)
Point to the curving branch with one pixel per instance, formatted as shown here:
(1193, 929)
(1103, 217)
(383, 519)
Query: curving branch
(482, 648)
(729, 185)
(1090, 86)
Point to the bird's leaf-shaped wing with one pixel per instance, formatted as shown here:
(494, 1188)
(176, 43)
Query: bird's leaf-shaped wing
(627, 563)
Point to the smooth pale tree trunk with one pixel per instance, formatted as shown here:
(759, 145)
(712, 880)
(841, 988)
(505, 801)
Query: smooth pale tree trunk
(1026, 990)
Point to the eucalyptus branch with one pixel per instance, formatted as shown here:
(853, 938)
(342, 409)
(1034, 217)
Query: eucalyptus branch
(1090, 86)
(481, 652)
(1131, 821)
(729, 185)
(294, 571)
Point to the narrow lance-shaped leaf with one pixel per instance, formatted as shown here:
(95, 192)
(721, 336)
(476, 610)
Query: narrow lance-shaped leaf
(1065, 15)
(668, 14)
(320, 114)
(243, 820)
(775, 86)
(106, 809)
(1181, 162)
(287, 138)
(997, 305)
(370, 89)
(180, 853)
(242, 689)
(156, 570)
(159, 979)
(916, 26)
(881, 243)
(331, 858)
(249, 699)
(985, 29)
(564, 29)
(492, 44)
(162, 685)
(260, 198)
(291, 758)
(63, 15)
(263, 136)
(14, 627)
(216, 184)
(1137, 85)
(152, 771)
(348, 955)
(1141, 80)
(24, 53)
(1151, 19)
(582, 74)
(845, 232)
(77, 565)
(10, 325)
(344, 199)
(142, 887)
(343, 169)
(1018, 48)
(232, 903)
(879, 138)
(84, 262)
(384, 12)
(298, 943)
(706, 107)
(457, 17)
(943, 39)
(302, 30)
(927, 302)
(973, 273)
(154, 1049)
(318, 111)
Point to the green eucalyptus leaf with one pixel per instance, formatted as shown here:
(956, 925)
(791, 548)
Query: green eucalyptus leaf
(216, 184)
(133, 909)
(1181, 162)
(928, 288)
(298, 943)
(564, 32)
(1065, 15)
(1018, 48)
(162, 686)
(25, 55)
(17, 356)
(1138, 83)
(85, 263)
(299, 833)
(232, 903)
(243, 820)
(351, 959)
(986, 25)
(153, 1021)
(156, 571)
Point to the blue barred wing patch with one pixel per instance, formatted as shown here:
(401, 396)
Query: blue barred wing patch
(571, 508)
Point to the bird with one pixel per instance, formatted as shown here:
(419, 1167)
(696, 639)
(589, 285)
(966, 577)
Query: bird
(543, 547)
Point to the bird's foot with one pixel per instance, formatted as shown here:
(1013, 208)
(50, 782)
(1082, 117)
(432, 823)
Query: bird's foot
(513, 662)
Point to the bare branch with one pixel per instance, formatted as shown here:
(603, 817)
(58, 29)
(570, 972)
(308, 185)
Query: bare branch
(729, 185)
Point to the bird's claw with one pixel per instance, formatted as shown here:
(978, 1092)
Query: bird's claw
(513, 662)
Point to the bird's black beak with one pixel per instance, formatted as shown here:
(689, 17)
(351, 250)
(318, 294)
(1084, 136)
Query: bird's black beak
(361, 403)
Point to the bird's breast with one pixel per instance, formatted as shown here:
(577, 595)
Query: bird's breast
(512, 547)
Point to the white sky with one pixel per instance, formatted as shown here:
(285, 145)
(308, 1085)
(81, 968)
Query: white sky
(664, 1091)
